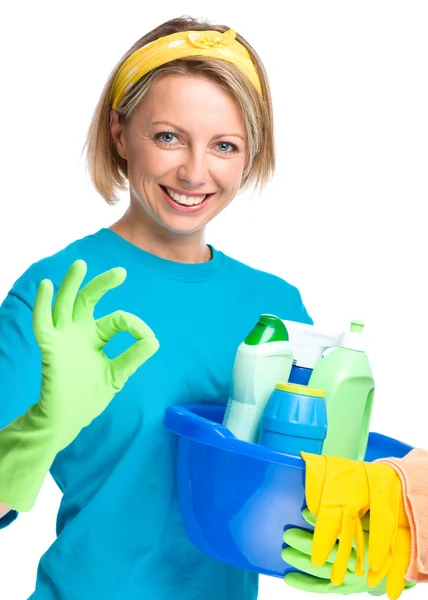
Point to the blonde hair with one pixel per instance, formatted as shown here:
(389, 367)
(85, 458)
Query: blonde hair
(108, 170)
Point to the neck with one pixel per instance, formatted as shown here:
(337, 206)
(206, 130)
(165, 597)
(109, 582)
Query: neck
(149, 236)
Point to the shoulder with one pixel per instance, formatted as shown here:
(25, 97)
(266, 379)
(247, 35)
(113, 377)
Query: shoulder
(265, 278)
(272, 290)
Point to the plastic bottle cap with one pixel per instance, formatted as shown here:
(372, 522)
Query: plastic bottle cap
(357, 326)
(268, 329)
(303, 390)
(353, 339)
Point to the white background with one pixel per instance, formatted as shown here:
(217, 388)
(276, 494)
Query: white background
(343, 219)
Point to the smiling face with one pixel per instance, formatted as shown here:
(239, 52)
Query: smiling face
(186, 151)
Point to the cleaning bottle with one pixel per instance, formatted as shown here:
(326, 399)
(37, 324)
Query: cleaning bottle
(346, 377)
(294, 420)
(263, 358)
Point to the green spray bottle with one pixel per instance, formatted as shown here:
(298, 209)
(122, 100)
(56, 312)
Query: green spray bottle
(346, 376)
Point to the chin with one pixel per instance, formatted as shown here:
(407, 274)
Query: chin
(181, 225)
(182, 230)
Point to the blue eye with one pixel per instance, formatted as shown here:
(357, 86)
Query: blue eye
(167, 137)
(163, 135)
(227, 144)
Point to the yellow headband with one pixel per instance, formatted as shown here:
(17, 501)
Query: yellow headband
(180, 45)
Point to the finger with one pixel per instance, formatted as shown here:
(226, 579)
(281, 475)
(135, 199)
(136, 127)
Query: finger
(395, 582)
(303, 562)
(394, 585)
(375, 577)
(64, 301)
(42, 311)
(383, 518)
(359, 535)
(95, 289)
(120, 321)
(129, 361)
(309, 517)
(327, 529)
(347, 535)
(380, 590)
(308, 583)
(301, 540)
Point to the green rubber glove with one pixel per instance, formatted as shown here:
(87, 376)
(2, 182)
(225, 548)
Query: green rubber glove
(78, 379)
(317, 579)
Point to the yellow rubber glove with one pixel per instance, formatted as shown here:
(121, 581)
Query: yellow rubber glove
(337, 492)
(390, 540)
(340, 485)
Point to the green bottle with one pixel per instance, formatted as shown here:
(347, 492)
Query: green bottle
(346, 377)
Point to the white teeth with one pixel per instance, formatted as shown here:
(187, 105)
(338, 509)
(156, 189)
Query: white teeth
(181, 199)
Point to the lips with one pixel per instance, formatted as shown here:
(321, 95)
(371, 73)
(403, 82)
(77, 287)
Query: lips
(178, 207)
(185, 199)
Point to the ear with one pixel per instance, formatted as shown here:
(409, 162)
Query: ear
(117, 131)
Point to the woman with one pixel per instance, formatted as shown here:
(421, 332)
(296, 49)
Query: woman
(186, 120)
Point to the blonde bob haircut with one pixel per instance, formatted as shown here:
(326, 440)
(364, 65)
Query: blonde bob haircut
(108, 170)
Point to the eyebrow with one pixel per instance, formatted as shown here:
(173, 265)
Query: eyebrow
(223, 135)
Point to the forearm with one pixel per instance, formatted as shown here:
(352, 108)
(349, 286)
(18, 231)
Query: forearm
(4, 510)
(28, 447)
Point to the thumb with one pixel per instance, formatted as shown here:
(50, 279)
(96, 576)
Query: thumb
(129, 361)
(316, 469)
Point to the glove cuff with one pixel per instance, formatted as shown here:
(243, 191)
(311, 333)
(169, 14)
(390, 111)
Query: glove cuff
(28, 447)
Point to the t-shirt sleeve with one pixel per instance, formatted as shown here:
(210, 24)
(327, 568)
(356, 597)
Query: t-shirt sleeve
(20, 359)
(304, 315)
(292, 307)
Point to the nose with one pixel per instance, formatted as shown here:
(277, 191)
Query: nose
(194, 169)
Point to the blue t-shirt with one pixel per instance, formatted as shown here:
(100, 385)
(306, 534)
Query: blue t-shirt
(119, 531)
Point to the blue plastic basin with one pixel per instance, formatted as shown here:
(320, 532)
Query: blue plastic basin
(237, 498)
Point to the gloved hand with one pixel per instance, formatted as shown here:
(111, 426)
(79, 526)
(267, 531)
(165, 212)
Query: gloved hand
(317, 579)
(78, 379)
(337, 492)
